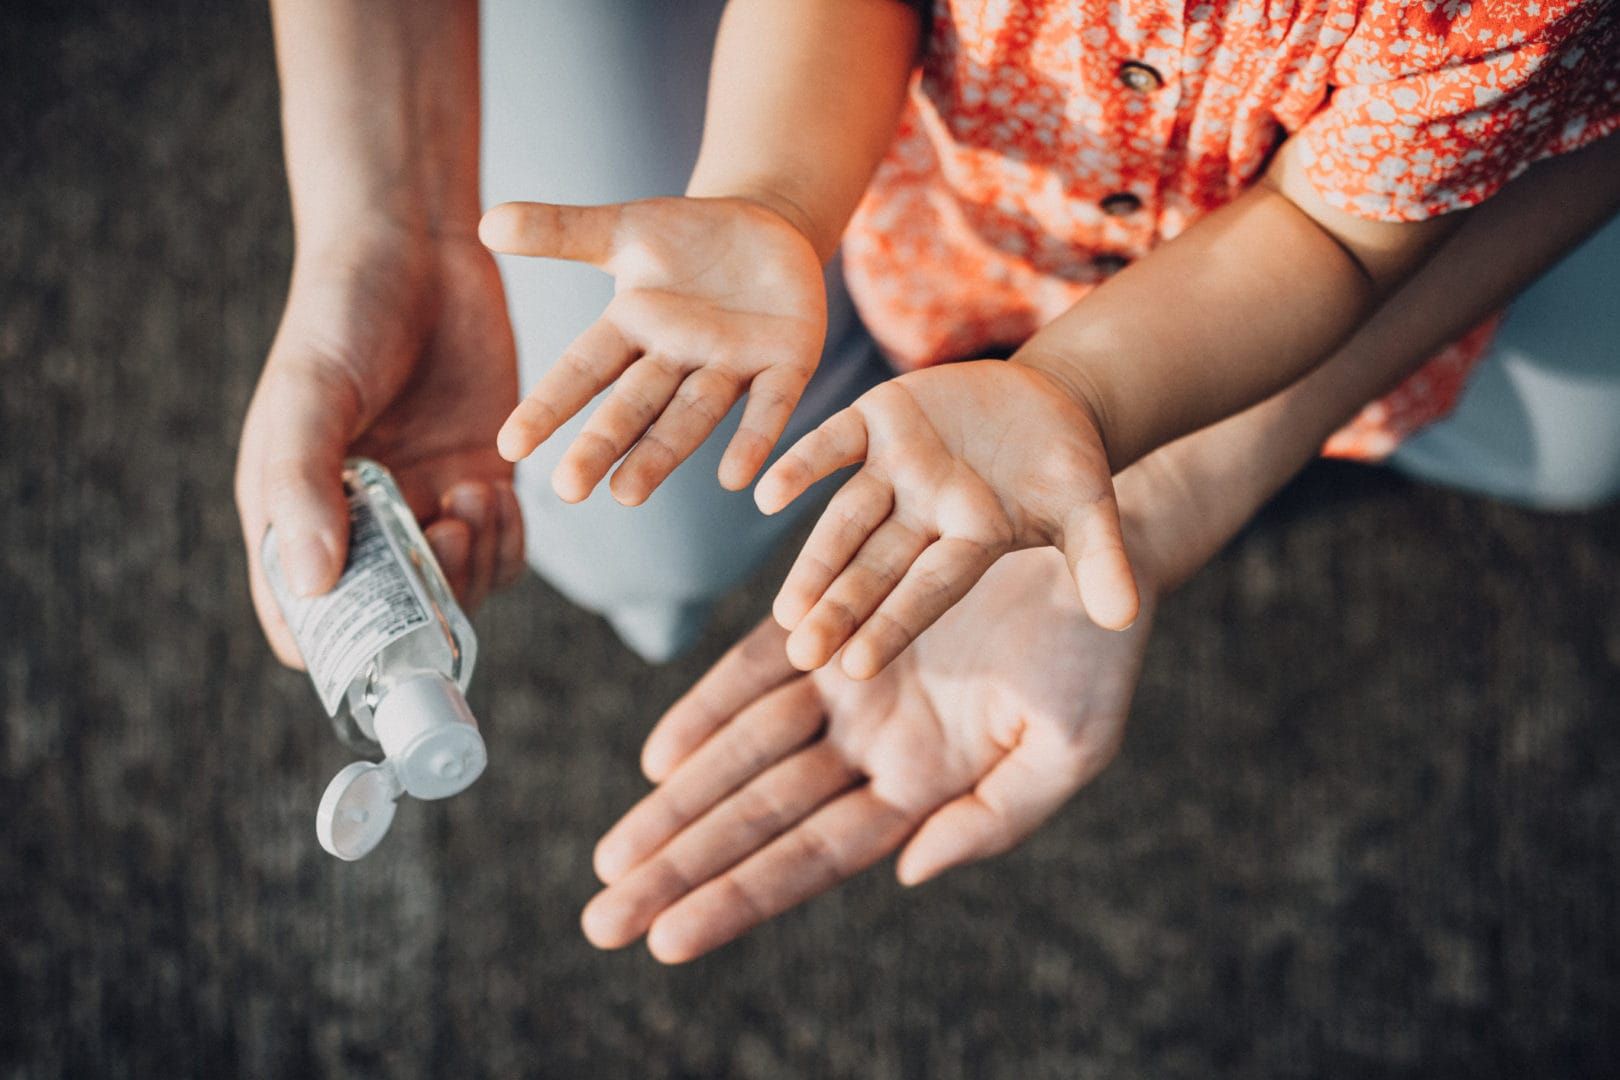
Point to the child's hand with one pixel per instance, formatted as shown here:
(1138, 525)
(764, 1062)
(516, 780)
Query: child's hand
(714, 298)
(964, 463)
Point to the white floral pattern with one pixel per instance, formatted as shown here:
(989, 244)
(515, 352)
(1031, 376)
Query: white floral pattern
(986, 221)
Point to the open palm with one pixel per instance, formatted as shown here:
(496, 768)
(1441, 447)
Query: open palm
(714, 299)
(774, 785)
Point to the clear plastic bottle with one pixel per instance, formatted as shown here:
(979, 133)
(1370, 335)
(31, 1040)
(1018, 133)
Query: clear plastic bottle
(390, 654)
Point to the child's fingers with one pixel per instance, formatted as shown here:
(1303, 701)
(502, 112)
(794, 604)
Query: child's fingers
(1095, 548)
(771, 401)
(592, 361)
(839, 441)
(860, 506)
(638, 398)
(940, 577)
(577, 233)
(697, 408)
(732, 831)
(851, 599)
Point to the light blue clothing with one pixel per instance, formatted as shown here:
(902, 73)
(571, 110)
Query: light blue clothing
(591, 102)
(588, 102)
(1539, 421)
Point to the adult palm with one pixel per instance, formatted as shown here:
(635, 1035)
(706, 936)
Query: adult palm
(774, 785)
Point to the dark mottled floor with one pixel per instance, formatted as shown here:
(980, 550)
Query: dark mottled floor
(1364, 825)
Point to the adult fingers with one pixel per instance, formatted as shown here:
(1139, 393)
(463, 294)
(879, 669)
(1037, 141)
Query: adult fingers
(838, 841)
(476, 504)
(1094, 546)
(591, 362)
(754, 666)
(577, 233)
(763, 733)
(772, 802)
(1014, 798)
(839, 441)
(289, 479)
(855, 594)
(860, 506)
(772, 397)
(451, 540)
(941, 576)
(509, 561)
(699, 405)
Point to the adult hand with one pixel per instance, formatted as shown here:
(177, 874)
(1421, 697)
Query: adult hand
(396, 347)
(774, 786)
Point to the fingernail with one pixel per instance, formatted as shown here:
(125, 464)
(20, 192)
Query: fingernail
(308, 562)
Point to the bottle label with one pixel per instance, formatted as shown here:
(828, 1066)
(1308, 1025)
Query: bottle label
(373, 605)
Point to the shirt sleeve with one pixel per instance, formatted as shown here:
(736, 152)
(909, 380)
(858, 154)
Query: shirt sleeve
(1436, 104)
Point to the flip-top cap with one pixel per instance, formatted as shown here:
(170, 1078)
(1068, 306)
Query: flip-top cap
(357, 809)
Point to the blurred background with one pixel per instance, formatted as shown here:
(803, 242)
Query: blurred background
(1365, 822)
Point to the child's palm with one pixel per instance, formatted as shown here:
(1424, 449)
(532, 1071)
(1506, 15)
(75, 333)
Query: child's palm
(714, 298)
(963, 463)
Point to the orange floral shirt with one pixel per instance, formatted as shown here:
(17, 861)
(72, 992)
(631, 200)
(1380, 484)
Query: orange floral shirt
(1047, 143)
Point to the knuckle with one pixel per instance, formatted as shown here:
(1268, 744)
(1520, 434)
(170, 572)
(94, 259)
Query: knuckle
(576, 365)
(837, 615)
(746, 896)
(284, 480)
(592, 447)
(889, 634)
(816, 850)
(759, 812)
(655, 452)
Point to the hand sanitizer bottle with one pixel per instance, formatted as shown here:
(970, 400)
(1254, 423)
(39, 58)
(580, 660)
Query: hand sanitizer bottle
(390, 654)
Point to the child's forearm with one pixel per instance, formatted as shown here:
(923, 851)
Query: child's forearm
(1184, 502)
(1242, 304)
(379, 106)
(803, 103)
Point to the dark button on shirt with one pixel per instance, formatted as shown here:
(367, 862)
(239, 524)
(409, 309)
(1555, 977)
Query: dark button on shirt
(1139, 77)
(1109, 264)
(1121, 204)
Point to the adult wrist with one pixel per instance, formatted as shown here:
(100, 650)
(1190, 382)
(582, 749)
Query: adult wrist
(1167, 533)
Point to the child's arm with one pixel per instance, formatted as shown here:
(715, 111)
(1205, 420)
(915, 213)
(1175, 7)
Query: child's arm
(1243, 303)
(966, 462)
(720, 294)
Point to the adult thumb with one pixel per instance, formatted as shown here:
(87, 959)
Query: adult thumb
(308, 414)
(576, 233)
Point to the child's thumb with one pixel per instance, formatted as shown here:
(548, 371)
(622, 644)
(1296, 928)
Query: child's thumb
(1094, 546)
(576, 233)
